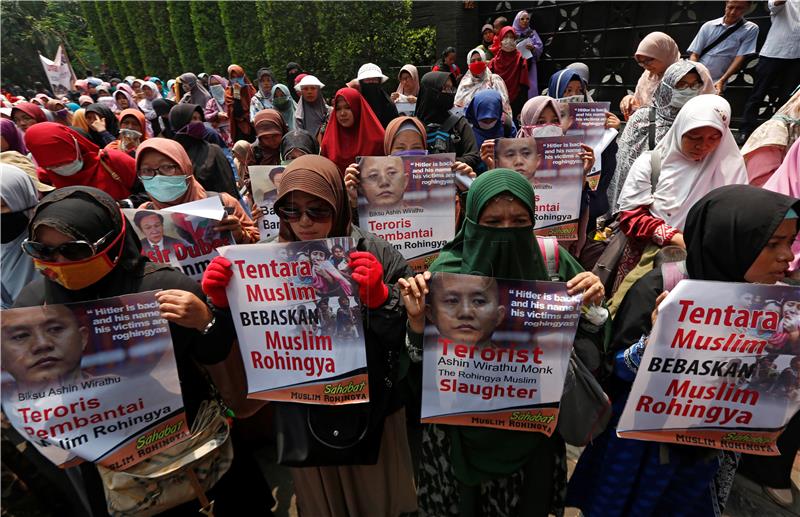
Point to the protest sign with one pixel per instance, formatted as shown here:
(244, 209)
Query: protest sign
(264, 181)
(298, 320)
(555, 169)
(496, 352)
(94, 381)
(721, 370)
(587, 120)
(410, 202)
(59, 72)
(185, 241)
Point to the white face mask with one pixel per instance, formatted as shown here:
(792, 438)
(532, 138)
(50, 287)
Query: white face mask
(508, 45)
(681, 97)
(487, 125)
(72, 168)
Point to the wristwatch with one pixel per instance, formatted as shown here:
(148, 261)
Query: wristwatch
(210, 325)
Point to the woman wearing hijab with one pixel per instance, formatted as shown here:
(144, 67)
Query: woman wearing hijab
(485, 114)
(685, 79)
(61, 114)
(215, 111)
(26, 114)
(786, 181)
(766, 148)
(433, 109)
(284, 104)
(262, 100)
(150, 92)
(11, 138)
(292, 71)
(509, 64)
(161, 125)
(103, 125)
(312, 110)
(312, 184)
(65, 158)
(270, 129)
(479, 78)
(370, 78)
(210, 165)
(18, 196)
(79, 121)
(447, 63)
(297, 143)
(181, 187)
(471, 471)
(124, 100)
(114, 266)
(655, 53)
(617, 476)
(193, 91)
(353, 131)
(132, 132)
(237, 104)
(525, 32)
(567, 83)
(408, 85)
(697, 155)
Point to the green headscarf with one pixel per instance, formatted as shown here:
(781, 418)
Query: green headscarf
(478, 453)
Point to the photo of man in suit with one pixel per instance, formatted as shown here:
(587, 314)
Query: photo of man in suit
(152, 225)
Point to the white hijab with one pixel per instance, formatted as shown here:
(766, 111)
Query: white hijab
(683, 181)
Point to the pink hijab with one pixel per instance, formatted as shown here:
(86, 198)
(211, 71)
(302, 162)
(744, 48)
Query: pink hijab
(659, 46)
(786, 180)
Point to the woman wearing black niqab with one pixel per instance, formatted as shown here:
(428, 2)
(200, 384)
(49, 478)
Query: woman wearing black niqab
(292, 71)
(161, 125)
(111, 132)
(379, 101)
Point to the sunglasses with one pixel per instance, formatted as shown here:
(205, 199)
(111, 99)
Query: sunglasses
(318, 215)
(72, 250)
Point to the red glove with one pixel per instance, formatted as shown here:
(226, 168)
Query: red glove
(216, 278)
(368, 272)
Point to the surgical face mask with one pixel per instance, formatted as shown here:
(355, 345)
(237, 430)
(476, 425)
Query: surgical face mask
(543, 130)
(508, 45)
(72, 168)
(195, 129)
(165, 188)
(218, 92)
(487, 124)
(281, 103)
(129, 139)
(62, 113)
(681, 97)
(238, 80)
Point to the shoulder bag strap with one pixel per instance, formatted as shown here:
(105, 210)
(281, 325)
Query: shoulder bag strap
(651, 129)
(109, 171)
(722, 37)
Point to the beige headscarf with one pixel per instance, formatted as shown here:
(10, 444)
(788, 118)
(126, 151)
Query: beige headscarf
(659, 46)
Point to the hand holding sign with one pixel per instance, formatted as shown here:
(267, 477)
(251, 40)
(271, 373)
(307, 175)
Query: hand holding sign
(216, 278)
(414, 290)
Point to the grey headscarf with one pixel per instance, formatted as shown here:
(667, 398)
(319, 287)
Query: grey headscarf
(18, 192)
(198, 94)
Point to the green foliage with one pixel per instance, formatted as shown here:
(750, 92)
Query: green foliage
(180, 24)
(138, 15)
(211, 45)
(420, 45)
(159, 18)
(243, 34)
(104, 14)
(126, 36)
(97, 30)
(291, 34)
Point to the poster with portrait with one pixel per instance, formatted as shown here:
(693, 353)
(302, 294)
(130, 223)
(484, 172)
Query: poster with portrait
(92, 381)
(553, 166)
(721, 368)
(587, 120)
(264, 181)
(298, 320)
(182, 239)
(496, 352)
(410, 202)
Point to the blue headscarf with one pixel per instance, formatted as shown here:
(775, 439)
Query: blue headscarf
(486, 104)
(164, 90)
(73, 107)
(560, 80)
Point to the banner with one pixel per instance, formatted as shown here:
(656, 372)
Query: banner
(496, 352)
(94, 381)
(554, 168)
(410, 202)
(721, 370)
(587, 120)
(59, 72)
(298, 320)
(179, 237)
(264, 181)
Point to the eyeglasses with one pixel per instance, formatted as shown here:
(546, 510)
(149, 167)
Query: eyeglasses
(72, 250)
(168, 169)
(318, 215)
(694, 87)
(645, 61)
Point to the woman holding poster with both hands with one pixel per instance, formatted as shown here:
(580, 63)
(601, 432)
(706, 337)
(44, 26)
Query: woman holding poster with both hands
(312, 204)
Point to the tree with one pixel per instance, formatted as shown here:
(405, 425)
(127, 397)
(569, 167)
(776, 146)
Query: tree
(291, 34)
(213, 49)
(243, 34)
(126, 35)
(97, 30)
(104, 13)
(159, 18)
(138, 16)
(180, 24)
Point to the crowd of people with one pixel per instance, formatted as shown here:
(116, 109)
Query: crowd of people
(675, 182)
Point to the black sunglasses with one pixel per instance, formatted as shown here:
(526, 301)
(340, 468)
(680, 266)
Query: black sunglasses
(72, 250)
(318, 215)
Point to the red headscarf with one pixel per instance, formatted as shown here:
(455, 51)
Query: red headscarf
(32, 110)
(364, 138)
(511, 66)
(53, 144)
(245, 94)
